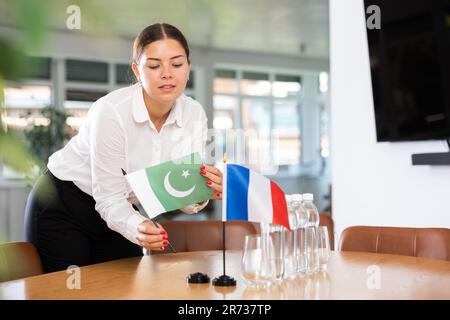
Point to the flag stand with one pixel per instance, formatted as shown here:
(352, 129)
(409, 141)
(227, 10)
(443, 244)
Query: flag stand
(224, 280)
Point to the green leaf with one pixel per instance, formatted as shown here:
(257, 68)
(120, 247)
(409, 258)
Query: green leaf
(33, 16)
(12, 62)
(14, 154)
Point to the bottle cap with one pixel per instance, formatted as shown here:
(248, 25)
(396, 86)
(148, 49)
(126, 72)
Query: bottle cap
(297, 197)
(308, 197)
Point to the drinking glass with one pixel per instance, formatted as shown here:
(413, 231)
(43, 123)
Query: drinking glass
(256, 265)
(311, 252)
(323, 247)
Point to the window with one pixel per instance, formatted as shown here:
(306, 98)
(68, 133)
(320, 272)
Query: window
(266, 106)
(77, 104)
(256, 114)
(124, 74)
(38, 68)
(287, 129)
(22, 105)
(225, 82)
(87, 71)
(286, 86)
(225, 111)
(255, 84)
(23, 101)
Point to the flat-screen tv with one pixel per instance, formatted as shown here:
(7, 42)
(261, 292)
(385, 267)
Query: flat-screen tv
(410, 68)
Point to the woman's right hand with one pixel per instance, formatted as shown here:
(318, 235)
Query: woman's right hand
(151, 237)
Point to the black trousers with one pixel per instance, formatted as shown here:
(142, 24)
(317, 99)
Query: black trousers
(62, 223)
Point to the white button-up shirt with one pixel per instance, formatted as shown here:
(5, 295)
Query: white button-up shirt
(118, 134)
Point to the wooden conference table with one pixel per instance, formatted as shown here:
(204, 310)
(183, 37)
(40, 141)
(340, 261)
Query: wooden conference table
(350, 275)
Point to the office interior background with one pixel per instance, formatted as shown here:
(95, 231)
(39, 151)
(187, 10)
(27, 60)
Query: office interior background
(289, 65)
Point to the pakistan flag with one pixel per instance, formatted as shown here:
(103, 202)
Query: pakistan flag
(170, 185)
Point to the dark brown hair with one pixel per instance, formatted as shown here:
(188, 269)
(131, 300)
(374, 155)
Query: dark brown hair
(155, 32)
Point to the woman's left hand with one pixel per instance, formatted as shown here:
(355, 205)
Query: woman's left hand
(214, 180)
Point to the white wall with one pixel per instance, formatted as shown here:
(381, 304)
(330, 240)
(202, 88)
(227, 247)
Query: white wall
(374, 183)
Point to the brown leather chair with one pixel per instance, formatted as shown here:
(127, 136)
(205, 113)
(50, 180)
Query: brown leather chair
(19, 260)
(205, 235)
(432, 243)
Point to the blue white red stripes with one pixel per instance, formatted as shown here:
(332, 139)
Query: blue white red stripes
(250, 196)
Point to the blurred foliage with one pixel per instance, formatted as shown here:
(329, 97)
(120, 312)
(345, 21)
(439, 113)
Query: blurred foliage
(14, 153)
(45, 140)
(31, 17)
(12, 62)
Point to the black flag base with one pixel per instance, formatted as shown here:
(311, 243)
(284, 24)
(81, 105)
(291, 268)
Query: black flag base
(224, 281)
(198, 278)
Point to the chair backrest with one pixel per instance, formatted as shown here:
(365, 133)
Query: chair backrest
(205, 235)
(432, 243)
(19, 260)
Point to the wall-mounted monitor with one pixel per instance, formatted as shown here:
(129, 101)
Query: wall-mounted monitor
(410, 69)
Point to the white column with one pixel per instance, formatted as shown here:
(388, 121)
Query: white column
(310, 121)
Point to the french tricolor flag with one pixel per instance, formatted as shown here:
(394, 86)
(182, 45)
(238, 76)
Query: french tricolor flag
(248, 195)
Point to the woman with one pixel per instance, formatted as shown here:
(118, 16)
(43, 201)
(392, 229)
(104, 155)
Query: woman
(80, 211)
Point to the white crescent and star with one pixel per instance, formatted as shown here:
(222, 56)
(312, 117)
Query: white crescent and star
(174, 192)
(185, 173)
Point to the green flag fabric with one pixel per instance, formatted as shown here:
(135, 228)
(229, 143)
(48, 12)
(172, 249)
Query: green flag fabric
(170, 185)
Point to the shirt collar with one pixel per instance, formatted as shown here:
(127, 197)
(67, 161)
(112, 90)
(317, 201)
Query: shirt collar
(140, 113)
(175, 115)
